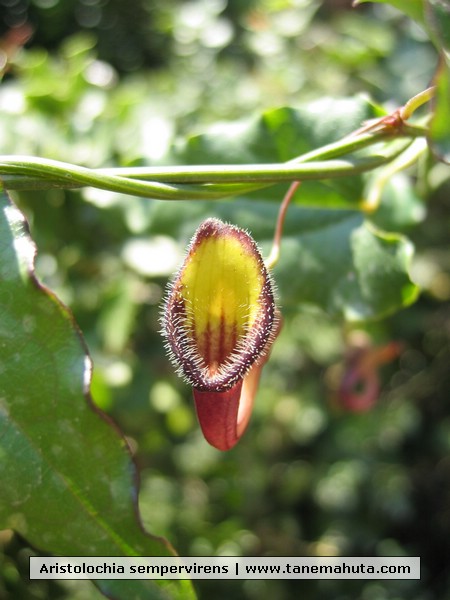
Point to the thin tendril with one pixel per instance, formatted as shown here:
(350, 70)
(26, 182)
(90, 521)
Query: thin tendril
(275, 251)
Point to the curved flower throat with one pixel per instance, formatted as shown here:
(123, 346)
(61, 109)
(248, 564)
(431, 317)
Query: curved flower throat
(219, 319)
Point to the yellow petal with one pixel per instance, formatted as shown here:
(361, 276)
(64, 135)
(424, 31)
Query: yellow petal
(219, 316)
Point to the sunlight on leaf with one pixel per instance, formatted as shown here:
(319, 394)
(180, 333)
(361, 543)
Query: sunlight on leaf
(338, 262)
(412, 8)
(438, 15)
(68, 482)
(440, 123)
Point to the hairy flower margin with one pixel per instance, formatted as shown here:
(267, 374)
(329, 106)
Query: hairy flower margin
(219, 321)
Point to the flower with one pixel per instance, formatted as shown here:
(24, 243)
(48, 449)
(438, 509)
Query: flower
(219, 321)
(358, 386)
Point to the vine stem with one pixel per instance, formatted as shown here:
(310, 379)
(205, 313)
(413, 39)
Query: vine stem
(218, 181)
(416, 102)
(210, 181)
(396, 121)
(408, 157)
(274, 255)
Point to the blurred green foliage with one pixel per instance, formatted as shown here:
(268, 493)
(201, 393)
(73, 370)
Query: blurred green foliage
(307, 477)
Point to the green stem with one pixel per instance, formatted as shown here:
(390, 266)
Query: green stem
(204, 173)
(416, 102)
(203, 182)
(218, 181)
(60, 174)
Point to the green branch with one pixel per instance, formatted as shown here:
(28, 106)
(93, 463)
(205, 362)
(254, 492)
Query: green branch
(211, 181)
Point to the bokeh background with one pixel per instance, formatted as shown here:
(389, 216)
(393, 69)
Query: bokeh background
(112, 83)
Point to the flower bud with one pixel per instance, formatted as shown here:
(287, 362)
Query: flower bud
(219, 321)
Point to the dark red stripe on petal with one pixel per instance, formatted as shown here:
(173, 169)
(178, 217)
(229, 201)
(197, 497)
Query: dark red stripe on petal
(210, 342)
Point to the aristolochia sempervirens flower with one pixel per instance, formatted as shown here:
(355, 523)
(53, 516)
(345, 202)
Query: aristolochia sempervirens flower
(219, 321)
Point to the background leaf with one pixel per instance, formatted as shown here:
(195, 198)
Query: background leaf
(439, 133)
(337, 261)
(400, 206)
(438, 16)
(279, 135)
(68, 483)
(412, 8)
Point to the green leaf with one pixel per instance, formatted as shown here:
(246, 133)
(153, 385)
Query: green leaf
(281, 134)
(68, 482)
(337, 261)
(412, 8)
(400, 207)
(278, 134)
(438, 19)
(439, 132)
